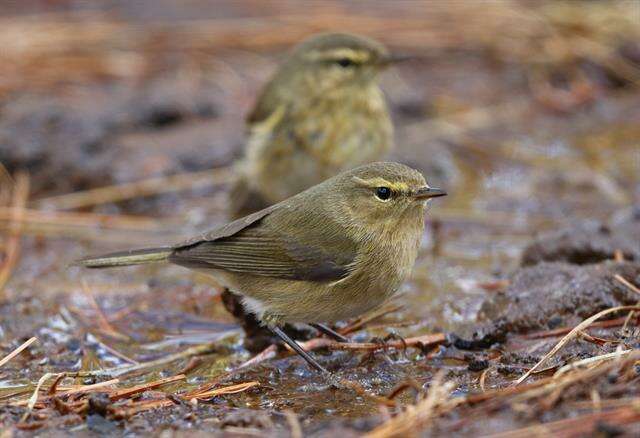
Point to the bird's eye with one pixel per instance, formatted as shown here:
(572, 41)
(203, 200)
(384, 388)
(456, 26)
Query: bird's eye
(383, 193)
(344, 62)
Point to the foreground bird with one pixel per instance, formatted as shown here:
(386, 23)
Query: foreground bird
(332, 252)
(320, 114)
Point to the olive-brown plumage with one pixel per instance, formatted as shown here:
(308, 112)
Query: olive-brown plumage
(331, 252)
(321, 113)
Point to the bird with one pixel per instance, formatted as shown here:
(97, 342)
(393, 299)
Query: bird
(321, 113)
(332, 252)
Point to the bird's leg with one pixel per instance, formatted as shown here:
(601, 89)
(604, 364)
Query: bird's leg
(329, 332)
(298, 349)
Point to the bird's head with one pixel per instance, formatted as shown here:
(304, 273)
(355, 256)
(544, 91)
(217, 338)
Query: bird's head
(383, 195)
(334, 61)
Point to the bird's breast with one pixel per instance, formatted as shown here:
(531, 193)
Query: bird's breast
(316, 138)
(380, 269)
(346, 131)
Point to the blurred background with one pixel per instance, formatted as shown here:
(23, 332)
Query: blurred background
(526, 112)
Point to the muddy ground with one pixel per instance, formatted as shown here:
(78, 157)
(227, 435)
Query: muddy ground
(534, 134)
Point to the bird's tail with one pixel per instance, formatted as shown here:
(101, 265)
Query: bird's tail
(126, 258)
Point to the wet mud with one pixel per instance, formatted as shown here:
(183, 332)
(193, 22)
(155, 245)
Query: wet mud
(84, 139)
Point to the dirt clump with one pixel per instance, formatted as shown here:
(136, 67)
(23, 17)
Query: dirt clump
(552, 295)
(589, 242)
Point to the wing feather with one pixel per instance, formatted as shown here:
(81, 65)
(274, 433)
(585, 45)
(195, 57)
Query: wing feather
(252, 246)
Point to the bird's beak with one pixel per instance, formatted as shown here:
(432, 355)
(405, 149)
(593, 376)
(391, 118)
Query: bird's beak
(428, 192)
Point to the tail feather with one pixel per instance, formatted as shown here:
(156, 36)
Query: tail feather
(126, 258)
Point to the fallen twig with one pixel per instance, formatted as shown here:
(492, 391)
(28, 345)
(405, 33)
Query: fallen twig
(100, 386)
(366, 319)
(31, 402)
(128, 392)
(564, 330)
(575, 426)
(128, 369)
(83, 219)
(583, 325)
(415, 417)
(147, 187)
(102, 321)
(34, 397)
(12, 252)
(154, 404)
(18, 350)
(294, 424)
(115, 352)
(418, 341)
(232, 389)
(627, 284)
(93, 234)
(591, 361)
(266, 354)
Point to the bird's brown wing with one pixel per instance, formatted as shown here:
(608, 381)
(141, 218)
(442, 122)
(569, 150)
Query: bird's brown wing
(229, 229)
(251, 246)
(268, 102)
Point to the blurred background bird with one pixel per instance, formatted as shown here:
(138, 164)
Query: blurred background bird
(321, 113)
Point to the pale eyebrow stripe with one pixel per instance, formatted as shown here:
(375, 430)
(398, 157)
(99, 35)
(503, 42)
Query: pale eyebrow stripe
(326, 55)
(378, 182)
